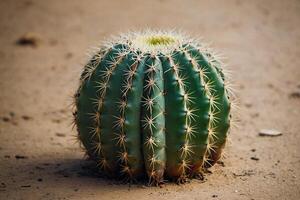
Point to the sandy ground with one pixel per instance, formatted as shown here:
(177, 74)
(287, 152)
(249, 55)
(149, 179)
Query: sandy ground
(38, 156)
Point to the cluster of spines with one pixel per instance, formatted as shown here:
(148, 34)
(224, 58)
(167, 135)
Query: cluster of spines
(86, 74)
(95, 131)
(213, 109)
(123, 154)
(214, 100)
(201, 73)
(153, 121)
(186, 148)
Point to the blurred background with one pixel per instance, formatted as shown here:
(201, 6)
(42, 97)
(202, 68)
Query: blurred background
(44, 45)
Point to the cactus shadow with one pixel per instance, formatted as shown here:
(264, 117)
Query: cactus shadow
(72, 173)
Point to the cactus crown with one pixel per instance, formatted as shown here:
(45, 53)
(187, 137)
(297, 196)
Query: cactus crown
(152, 41)
(159, 40)
(153, 103)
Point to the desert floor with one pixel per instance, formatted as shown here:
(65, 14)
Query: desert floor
(38, 156)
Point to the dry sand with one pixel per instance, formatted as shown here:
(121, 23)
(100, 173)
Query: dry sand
(38, 157)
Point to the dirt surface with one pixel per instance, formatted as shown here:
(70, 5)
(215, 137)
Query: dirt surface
(43, 48)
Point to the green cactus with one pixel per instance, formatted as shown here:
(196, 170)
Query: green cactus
(153, 103)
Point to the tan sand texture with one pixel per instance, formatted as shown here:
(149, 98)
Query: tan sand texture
(43, 49)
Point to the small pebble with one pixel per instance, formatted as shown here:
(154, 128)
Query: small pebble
(20, 157)
(254, 158)
(25, 186)
(5, 119)
(60, 134)
(3, 185)
(29, 39)
(26, 117)
(295, 95)
(269, 132)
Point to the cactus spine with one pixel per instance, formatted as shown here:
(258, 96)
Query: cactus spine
(153, 103)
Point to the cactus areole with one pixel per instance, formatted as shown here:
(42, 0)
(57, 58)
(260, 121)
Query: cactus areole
(153, 104)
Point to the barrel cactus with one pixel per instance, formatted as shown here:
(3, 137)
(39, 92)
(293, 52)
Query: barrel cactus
(153, 104)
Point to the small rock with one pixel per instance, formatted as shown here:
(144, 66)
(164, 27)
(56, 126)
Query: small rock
(40, 180)
(269, 132)
(20, 157)
(5, 119)
(295, 95)
(3, 185)
(254, 158)
(214, 196)
(60, 134)
(253, 150)
(25, 186)
(29, 39)
(26, 117)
